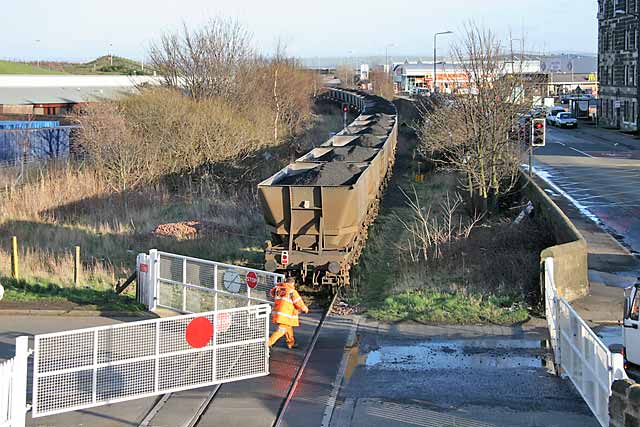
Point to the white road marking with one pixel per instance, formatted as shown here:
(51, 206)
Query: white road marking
(582, 152)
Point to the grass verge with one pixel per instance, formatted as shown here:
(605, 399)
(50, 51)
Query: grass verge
(39, 294)
(491, 276)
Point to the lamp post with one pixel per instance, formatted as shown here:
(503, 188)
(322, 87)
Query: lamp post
(386, 58)
(111, 54)
(512, 57)
(637, 76)
(435, 71)
(37, 54)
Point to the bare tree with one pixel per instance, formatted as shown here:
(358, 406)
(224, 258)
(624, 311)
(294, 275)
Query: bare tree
(205, 62)
(469, 132)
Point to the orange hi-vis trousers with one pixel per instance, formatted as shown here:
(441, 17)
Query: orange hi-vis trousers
(285, 330)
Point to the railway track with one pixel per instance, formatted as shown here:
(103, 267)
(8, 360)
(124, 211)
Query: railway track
(160, 413)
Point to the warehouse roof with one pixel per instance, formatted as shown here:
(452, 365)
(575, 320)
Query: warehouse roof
(23, 89)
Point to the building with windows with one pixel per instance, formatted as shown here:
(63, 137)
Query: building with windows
(617, 62)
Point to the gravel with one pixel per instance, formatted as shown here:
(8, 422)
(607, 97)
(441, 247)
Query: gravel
(337, 173)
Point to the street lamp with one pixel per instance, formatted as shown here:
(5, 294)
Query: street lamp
(37, 54)
(435, 41)
(637, 76)
(111, 54)
(512, 57)
(386, 57)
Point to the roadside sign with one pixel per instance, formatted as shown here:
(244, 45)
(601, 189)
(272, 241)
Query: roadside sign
(199, 332)
(144, 268)
(616, 104)
(223, 321)
(232, 281)
(251, 279)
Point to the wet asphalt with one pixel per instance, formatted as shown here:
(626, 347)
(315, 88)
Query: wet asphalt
(600, 170)
(421, 375)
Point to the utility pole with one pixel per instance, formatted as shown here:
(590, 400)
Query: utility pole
(435, 71)
(111, 54)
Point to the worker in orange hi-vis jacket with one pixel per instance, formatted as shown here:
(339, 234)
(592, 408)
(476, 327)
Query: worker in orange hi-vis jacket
(285, 313)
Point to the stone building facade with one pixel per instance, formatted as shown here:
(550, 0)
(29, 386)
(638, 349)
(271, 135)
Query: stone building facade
(618, 26)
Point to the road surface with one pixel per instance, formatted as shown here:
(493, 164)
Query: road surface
(598, 170)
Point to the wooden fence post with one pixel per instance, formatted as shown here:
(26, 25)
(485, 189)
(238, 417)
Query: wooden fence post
(15, 267)
(76, 267)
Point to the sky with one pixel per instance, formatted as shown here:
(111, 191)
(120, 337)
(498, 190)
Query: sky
(81, 30)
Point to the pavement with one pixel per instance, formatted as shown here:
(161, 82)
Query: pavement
(593, 175)
(411, 374)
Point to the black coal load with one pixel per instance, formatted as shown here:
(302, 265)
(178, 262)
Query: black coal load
(329, 174)
(350, 153)
(375, 129)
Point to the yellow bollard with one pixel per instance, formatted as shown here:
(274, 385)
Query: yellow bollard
(15, 270)
(76, 267)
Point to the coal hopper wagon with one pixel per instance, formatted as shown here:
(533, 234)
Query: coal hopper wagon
(318, 209)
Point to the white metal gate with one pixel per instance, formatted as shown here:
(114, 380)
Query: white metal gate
(107, 364)
(13, 386)
(192, 285)
(579, 353)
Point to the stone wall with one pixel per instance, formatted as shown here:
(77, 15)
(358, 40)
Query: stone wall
(571, 270)
(624, 404)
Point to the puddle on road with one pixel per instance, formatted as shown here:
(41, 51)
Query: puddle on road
(460, 354)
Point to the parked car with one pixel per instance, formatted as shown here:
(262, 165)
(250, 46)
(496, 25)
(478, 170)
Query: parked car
(553, 112)
(563, 120)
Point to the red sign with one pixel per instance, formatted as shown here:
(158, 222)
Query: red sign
(144, 268)
(284, 258)
(251, 279)
(199, 332)
(223, 321)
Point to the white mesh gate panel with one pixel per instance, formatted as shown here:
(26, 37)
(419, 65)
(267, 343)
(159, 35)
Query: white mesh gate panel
(96, 366)
(192, 285)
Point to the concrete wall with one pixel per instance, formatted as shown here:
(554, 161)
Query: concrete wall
(570, 252)
(624, 404)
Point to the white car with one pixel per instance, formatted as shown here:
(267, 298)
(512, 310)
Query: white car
(563, 120)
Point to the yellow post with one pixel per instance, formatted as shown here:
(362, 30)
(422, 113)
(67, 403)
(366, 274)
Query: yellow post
(15, 270)
(76, 267)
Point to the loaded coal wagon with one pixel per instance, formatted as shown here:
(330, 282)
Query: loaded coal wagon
(318, 209)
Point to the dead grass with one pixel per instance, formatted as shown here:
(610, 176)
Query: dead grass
(493, 271)
(67, 205)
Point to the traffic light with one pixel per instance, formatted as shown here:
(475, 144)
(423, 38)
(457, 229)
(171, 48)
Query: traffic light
(538, 132)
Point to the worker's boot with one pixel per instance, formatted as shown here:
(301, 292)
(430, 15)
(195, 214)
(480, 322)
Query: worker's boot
(295, 345)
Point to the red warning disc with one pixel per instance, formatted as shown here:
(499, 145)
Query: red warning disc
(223, 321)
(199, 332)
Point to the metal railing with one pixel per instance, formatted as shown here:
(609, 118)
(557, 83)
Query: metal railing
(191, 285)
(13, 386)
(579, 353)
(91, 367)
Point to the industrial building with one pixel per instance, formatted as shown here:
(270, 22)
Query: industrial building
(56, 95)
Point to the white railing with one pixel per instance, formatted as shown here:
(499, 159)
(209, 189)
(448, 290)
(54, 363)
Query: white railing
(192, 285)
(107, 364)
(579, 353)
(13, 386)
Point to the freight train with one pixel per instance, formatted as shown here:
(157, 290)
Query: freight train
(318, 209)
